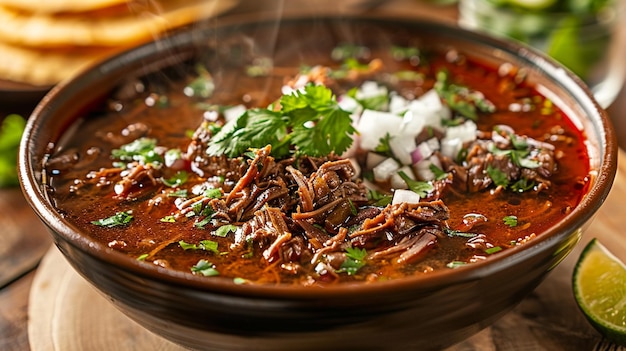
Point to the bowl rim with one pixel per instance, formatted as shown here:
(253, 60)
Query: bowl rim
(36, 197)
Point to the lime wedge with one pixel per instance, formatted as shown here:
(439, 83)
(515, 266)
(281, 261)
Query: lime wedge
(600, 290)
(534, 5)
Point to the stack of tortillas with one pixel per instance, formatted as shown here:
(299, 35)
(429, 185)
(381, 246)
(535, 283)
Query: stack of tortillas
(43, 42)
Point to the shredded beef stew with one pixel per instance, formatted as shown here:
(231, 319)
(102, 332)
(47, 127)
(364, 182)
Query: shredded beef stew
(350, 169)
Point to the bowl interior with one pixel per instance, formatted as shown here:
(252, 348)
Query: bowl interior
(284, 40)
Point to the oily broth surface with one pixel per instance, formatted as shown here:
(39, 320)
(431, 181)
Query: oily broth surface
(170, 125)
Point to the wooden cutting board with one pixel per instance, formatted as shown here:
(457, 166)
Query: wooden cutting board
(67, 314)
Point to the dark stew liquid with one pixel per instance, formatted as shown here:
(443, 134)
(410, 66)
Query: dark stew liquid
(136, 176)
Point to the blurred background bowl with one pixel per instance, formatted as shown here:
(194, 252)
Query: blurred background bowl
(423, 312)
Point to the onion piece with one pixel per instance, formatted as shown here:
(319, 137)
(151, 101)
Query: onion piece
(422, 169)
(384, 170)
(373, 159)
(375, 125)
(405, 196)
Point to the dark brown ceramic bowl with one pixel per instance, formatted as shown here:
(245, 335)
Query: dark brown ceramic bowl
(422, 312)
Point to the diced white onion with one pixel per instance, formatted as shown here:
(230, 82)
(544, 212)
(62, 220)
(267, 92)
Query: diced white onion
(370, 89)
(451, 147)
(412, 124)
(397, 104)
(405, 196)
(373, 159)
(402, 146)
(375, 125)
(385, 169)
(422, 168)
(424, 150)
(465, 131)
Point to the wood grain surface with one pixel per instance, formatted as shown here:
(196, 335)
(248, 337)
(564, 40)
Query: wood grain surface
(67, 314)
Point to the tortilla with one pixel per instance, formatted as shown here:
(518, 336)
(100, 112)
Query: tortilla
(44, 67)
(53, 6)
(139, 23)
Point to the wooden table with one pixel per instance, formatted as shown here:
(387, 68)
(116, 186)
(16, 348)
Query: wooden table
(548, 319)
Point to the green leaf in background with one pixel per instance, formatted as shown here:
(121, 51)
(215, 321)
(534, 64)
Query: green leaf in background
(10, 135)
(578, 54)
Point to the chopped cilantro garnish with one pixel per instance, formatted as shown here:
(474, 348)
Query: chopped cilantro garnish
(511, 221)
(418, 187)
(203, 86)
(224, 230)
(205, 268)
(168, 219)
(522, 185)
(310, 122)
(239, 281)
(458, 233)
(461, 99)
(206, 245)
(142, 257)
(456, 264)
(178, 193)
(439, 173)
(383, 146)
(142, 150)
(378, 199)
(499, 178)
(493, 250)
(177, 180)
(213, 193)
(355, 260)
(120, 218)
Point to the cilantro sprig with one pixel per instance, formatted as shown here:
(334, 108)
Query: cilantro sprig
(310, 122)
(355, 260)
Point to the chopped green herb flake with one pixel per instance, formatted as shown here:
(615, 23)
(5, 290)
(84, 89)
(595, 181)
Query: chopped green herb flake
(120, 218)
(223, 231)
(142, 150)
(142, 257)
(497, 176)
(458, 233)
(213, 193)
(355, 260)
(177, 180)
(205, 268)
(418, 187)
(493, 250)
(168, 219)
(511, 221)
(456, 264)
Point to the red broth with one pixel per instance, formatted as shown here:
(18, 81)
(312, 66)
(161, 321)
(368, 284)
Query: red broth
(83, 179)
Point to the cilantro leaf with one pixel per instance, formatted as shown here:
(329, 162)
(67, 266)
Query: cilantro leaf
(499, 178)
(120, 218)
(511, 221)
(310, 122)
(320, 126)
(355, 260)
(142, 150)
(225, 229)
(205, 268)
(418, 187)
